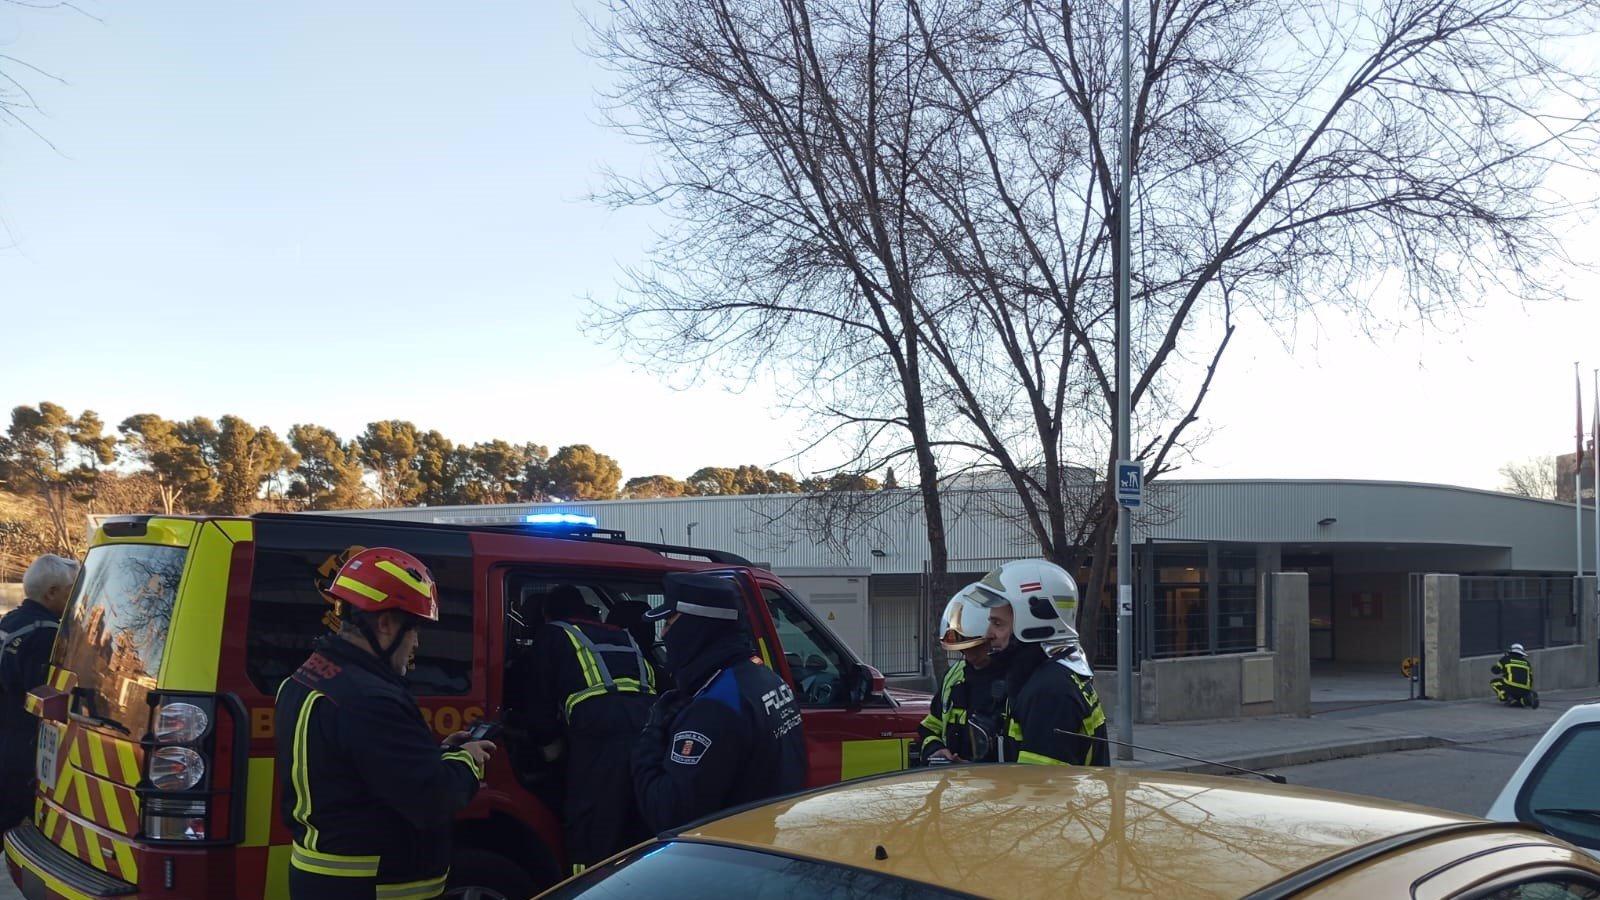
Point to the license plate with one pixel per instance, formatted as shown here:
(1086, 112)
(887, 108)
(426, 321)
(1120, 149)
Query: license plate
(45, 758)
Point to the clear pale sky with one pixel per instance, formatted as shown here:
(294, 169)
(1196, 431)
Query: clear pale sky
(317, 212)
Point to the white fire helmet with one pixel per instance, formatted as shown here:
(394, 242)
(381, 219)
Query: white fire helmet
(964, 623)
(1517, 649)
(1042, 596)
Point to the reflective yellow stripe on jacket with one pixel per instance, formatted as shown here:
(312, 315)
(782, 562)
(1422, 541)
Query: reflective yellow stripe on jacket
(299, 774)
(937, 724)
(1090, 724)
(596, 674)
(333, 864)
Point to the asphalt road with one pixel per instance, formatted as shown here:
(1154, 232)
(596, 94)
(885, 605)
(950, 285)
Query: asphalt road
(1463, 777)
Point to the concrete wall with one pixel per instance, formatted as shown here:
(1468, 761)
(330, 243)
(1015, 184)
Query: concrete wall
(1291, 642)
(1449, 677)
(1553, 669)
(1236, 685)
(1441, 636)
(1377, 639)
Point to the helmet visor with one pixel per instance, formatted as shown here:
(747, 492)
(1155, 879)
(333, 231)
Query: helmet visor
(963, 624)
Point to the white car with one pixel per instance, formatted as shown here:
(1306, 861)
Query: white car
(1557, 786)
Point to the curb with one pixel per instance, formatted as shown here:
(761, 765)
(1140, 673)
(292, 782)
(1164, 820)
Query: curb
(1299, 756)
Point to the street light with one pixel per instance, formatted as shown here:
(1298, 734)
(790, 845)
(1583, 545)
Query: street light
(689, 539)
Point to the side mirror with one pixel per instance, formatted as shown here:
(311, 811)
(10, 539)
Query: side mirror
(865, 683)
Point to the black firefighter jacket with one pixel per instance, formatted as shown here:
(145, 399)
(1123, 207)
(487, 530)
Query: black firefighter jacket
(362, 774)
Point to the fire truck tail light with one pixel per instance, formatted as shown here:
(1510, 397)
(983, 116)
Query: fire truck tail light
(175, 820)
(176, 768)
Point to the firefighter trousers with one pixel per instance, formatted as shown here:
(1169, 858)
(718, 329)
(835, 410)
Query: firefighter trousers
(602, 817)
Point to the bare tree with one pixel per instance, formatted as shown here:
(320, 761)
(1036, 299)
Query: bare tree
(797, 256)
(1532, 477)
(906, 209)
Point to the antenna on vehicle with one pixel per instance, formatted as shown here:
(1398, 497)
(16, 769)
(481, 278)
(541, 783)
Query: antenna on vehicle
(1275, 779)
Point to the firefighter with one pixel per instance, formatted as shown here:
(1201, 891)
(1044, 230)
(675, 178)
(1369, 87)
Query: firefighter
(368, 791)
(1053, 714)
(731, 734)
(1513, 678)
(960, 725)
(592, 690)
(27, 634)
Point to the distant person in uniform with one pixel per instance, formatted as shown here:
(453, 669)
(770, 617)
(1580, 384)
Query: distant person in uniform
(1513, 678)
(27, 635)
(731, 732)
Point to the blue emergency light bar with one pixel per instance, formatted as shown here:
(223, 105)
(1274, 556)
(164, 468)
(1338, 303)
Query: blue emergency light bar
(563, 520)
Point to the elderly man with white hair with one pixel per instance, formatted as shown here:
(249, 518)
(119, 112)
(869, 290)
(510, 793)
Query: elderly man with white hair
(26, 635)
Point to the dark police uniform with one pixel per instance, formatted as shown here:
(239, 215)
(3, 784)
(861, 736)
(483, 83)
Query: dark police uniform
(966, 703)
(27, 635)
(1054, 714)
(737, 738)
(593, 686)
(368, 794)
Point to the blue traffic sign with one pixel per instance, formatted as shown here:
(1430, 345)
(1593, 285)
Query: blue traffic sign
(1130, 483)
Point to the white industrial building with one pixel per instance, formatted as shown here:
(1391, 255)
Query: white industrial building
(1201, 554)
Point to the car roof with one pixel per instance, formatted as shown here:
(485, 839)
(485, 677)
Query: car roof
(1016, 830)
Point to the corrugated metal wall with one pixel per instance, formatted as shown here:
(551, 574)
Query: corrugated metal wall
(793, 531)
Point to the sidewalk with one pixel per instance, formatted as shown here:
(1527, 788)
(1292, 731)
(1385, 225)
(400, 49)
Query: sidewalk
(1280, 741)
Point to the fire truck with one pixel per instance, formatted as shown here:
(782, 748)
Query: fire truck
(155, 761)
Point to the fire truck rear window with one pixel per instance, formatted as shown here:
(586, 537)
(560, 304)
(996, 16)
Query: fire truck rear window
(114, 633)
(289, 612)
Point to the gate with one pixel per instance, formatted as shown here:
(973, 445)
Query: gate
(896, 635)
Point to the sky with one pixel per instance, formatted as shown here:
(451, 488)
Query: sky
(318, 212)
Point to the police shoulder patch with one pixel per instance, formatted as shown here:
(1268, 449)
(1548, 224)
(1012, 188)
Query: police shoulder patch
(688, 747)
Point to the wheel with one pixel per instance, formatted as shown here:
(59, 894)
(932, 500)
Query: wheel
(483, 875)
(1533, 699)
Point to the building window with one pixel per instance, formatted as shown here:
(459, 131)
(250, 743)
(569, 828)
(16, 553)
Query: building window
(1236, 601)
(1179, 613)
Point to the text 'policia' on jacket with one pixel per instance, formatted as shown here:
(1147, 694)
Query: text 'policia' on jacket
(158, 733)
(369, 794)
(736, 740)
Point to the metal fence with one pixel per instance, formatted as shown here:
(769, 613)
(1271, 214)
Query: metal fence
(896, 636)
(1534, 611)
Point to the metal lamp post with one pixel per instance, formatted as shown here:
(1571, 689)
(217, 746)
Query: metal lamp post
(1124, 390)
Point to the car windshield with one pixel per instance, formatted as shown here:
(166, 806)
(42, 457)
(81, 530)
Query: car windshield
(684, 870)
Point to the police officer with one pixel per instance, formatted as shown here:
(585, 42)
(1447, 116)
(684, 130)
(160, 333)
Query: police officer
(368, 792)
(1513, 678)
(961, 721)
(27, 635)
(1054, 714)
(731, 734)
(592, 687)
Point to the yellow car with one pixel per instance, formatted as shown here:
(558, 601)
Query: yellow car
(1059, 832)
